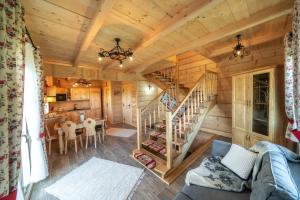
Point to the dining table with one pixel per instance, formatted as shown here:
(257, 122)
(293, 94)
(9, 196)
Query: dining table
(79, 125)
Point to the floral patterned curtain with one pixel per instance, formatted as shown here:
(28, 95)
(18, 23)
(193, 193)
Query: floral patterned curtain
(292, 77)
(38, 64)
(12, 43)
(40, 84)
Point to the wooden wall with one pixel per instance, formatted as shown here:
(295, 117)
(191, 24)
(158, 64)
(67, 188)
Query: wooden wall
(113, 100)
(219, 119)
(191, 66)
(143, 94)
(88, 73)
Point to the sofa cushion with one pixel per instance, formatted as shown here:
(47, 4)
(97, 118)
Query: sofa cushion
(220, 148)
(274, 180)
(181, 196)
(202, 193)
(295, 171)
(239, 160)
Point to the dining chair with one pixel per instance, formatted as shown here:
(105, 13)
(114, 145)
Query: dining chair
(89, 125)
(69, 128)
(49, 138)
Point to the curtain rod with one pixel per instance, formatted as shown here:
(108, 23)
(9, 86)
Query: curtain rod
(27, 32)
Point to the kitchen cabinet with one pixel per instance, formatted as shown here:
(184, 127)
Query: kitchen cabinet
(258, 107)
(80, 93)
(95, 98)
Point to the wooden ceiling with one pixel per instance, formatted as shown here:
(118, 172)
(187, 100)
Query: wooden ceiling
(70, 32)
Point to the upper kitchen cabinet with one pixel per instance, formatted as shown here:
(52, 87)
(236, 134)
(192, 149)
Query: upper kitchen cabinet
(80, 93)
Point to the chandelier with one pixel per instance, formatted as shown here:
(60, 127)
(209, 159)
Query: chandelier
(82, 83)
(239, 50)
(117, 53)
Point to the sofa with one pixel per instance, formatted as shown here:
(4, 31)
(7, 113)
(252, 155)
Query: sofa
(220, 148)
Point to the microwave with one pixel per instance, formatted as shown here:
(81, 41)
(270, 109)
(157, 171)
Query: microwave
(61, 97)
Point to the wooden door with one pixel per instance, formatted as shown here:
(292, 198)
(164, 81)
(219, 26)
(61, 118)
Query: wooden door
(262, 98)
(239, 103)
(127, 105)
(106, 97)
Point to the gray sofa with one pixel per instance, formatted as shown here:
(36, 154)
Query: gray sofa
(194, 192)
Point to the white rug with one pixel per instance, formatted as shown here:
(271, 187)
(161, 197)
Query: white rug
(98, 179)
(120, 132)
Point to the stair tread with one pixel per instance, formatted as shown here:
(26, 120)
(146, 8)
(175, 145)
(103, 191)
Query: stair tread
(160, 167)
(155, 147)
(162, 136)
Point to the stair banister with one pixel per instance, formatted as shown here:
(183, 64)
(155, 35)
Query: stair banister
(139, 128)
(186, 98)
(169, 138)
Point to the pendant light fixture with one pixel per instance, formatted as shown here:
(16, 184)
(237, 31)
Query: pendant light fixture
(81, 82)
(239, 50)
(117, 53)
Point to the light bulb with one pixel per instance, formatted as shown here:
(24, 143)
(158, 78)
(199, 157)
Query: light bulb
(121, 65)
(238, 52)
(131, 58)
(99, 58)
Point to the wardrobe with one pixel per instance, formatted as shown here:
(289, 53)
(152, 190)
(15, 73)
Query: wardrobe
(258, 106)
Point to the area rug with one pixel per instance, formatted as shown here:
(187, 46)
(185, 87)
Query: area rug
(120, 132)
(98, 179)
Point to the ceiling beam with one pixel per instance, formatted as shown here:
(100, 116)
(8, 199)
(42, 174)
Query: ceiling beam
(250, 42)
(105, 6)
(180, 17)
(131, 22)
(69, 64)
(231, 29)
(57, 62)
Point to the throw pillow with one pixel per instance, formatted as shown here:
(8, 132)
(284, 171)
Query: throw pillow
(239, 160)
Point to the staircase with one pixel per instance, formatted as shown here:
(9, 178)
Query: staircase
(165, 133)
(168, 78)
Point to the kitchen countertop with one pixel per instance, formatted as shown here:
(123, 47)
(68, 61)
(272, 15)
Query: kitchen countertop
(60, 114)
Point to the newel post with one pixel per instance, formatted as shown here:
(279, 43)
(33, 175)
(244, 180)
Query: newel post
(139, 128)
(169, 139)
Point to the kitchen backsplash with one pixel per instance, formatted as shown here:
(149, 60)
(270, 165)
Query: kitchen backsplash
(69, 105)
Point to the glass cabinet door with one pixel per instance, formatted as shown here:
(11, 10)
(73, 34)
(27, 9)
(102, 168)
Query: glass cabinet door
(261, 94)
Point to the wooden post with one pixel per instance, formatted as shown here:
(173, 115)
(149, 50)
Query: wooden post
(177, 79)
(204, 86)
(139, 128)
(169, 139)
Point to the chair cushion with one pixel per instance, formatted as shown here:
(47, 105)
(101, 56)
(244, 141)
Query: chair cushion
(98, 127)
(239, 160)
(274, 180)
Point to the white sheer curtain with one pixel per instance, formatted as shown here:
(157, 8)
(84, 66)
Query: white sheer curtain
(32, 116)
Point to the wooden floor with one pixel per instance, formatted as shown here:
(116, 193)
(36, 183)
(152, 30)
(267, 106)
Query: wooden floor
(115, 149)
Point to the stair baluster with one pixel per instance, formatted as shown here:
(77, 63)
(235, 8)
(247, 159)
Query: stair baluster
(175, 129)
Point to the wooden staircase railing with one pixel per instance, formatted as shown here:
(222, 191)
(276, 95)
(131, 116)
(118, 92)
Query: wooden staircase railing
(172, 131)
(189, 115)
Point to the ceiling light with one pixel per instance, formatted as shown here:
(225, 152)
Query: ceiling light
(239, 50)
(82, 83)
(117, 53)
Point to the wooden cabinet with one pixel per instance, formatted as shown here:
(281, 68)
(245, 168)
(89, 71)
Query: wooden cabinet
(95, 97)
(257, 107)
(80, 93)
